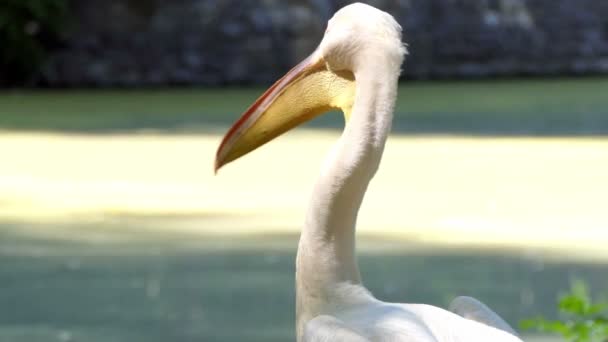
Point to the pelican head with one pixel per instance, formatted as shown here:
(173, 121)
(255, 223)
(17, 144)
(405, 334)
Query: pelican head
(358, 37)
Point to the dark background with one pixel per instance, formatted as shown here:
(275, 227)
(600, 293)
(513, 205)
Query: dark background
(132, 43)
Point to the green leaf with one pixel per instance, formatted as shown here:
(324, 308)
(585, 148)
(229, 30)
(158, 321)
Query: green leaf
(544, 325)
(582, 319)
(573, 304)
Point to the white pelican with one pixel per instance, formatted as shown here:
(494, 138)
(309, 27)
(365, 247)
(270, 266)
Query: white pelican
(355, 69)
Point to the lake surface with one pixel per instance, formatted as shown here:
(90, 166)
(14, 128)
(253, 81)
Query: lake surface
(200, 288)
(112, 229)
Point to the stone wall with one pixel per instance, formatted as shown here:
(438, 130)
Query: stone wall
(219, 42)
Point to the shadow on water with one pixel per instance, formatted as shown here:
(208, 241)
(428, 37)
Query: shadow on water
(504, 107)
(184, 287)
(413, 123)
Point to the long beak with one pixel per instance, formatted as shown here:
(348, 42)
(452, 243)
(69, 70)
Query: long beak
(305, 92)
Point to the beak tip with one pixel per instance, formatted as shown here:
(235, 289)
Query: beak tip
(217, 166)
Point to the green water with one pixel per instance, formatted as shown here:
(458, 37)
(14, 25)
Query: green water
(180, 287)
(553, 107)
(197, 288)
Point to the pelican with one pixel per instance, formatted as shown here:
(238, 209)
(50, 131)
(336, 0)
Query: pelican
(355, 69)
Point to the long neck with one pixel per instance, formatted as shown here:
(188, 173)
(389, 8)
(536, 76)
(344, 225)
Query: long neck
(326, 269)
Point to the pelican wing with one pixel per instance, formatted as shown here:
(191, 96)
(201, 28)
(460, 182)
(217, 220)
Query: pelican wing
(473, 309)
(330, 329)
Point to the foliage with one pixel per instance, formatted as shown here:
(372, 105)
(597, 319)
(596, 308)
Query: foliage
(28, 29)
(582, 320)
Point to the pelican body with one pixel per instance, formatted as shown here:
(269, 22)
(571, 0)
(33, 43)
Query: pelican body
(355, 69)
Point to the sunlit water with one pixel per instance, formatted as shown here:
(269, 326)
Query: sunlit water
(131, 238)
